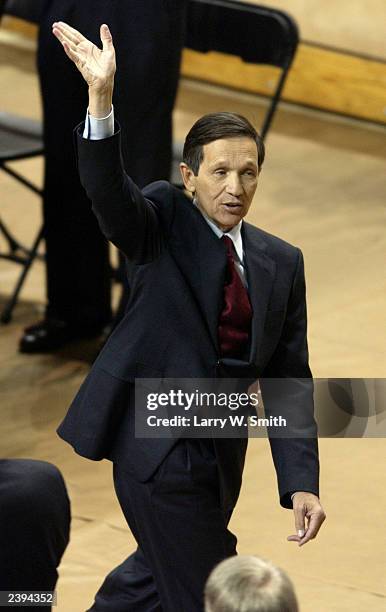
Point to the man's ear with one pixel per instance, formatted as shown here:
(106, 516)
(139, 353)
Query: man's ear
(188, 178)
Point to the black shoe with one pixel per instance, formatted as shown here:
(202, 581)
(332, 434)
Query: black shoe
(52, 333)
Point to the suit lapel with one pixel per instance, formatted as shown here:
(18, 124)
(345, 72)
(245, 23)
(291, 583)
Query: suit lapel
(213, 261)
(201, 258)
(261, 270)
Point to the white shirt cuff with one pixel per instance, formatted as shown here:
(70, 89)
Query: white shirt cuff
(97, 128)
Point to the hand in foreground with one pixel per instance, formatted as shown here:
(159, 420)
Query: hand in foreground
(306, 506)
(97, 66)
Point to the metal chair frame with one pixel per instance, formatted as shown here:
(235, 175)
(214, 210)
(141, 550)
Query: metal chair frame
(257, 34)
(20, 139)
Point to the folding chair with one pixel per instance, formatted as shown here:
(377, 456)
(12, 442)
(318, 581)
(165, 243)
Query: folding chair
(256, 34)
(20, 138)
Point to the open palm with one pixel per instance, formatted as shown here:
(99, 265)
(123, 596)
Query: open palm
(97, 66)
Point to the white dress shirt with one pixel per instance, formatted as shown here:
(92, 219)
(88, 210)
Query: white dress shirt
(235, 235)
(98, 128)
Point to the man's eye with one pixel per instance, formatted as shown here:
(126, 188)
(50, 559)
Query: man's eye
(219, 172)
(249, 173)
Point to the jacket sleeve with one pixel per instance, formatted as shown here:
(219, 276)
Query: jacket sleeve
(287, 391)
(134, 223)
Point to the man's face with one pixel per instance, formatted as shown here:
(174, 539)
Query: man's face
(226, 180)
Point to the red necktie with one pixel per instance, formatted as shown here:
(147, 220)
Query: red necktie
(236, 315)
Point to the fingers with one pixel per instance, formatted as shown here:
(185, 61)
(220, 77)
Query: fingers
(68, 32)
(68, 46)
(73, 55)
(69, 41)
(314, 525)
(315, 518)
(293, 538)
(300, 512)
(106, 38)
(63, 36)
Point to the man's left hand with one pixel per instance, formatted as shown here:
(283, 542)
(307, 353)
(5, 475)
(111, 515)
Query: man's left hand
(306, 506)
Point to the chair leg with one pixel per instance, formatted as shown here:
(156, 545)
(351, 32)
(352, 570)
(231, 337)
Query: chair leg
(17, 252)
(13, 244)
(6, 313)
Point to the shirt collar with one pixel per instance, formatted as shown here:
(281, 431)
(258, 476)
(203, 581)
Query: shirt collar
(234, 234)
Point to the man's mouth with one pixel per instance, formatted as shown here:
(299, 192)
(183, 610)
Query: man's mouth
(232, 205)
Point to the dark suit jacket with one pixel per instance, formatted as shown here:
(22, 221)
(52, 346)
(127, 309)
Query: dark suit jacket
(177, 269)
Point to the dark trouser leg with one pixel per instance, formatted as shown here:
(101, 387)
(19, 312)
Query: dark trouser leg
(148, 36)
(130, 586)
(77, 265)
(179, 525)
(34, 525)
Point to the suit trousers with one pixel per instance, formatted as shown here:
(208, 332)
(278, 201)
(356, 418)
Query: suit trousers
(148, 38)
(181, 530)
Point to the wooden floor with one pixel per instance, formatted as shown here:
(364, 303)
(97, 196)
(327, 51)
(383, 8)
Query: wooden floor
(323, 188)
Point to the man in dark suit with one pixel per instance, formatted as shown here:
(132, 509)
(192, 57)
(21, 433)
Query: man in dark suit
(150, 38)
(34, 526)
(212, 297)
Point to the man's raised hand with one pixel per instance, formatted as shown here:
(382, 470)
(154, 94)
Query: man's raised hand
(97, 66)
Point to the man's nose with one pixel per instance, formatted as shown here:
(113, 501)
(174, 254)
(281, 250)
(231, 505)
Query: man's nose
(234, 186)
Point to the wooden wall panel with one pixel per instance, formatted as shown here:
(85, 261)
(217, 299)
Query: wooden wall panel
(19, 26)
(319, 78)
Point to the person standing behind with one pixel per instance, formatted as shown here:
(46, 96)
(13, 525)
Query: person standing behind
(35, 517)
(150, 37)
(249, 584)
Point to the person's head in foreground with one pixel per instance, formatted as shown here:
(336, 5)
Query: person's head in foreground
(249, 584)
(222, 158)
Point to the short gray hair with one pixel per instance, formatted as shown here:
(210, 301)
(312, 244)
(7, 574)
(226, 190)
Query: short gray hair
(249, 584)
